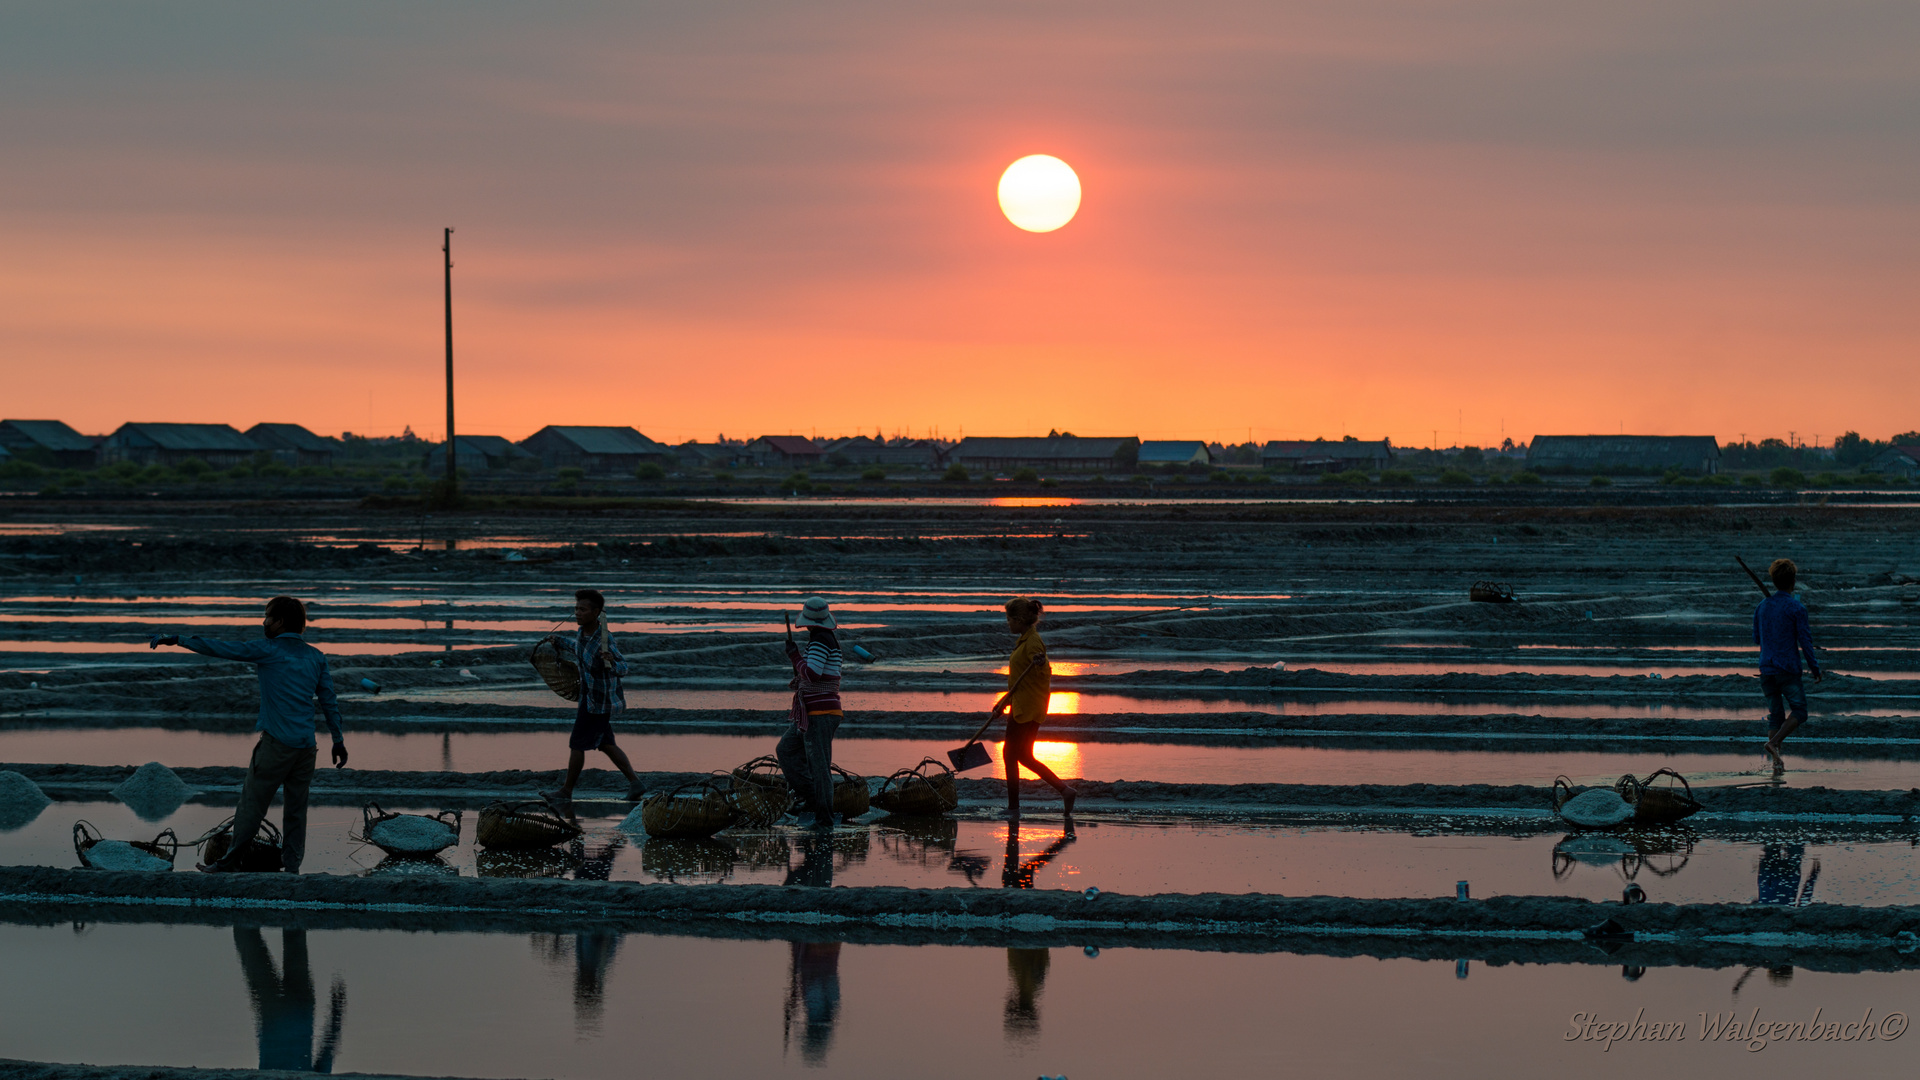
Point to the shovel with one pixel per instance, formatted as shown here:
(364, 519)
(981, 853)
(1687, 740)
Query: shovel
(973, 755)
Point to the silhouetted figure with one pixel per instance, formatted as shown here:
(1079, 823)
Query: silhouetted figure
(813, 988)
(1029, 691)
(1018, 875)
(283, 1002)
(1027, 974)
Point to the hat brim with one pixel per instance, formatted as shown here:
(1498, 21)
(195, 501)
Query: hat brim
(826, 621)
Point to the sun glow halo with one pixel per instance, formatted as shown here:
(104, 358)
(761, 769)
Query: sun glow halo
(1039, 193)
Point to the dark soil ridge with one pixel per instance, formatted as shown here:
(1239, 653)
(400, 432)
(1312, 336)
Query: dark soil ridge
(51, 1070)
(336, 786)
(1888, 936)
(1830, 736)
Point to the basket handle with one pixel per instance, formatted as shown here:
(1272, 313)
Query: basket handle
(455, 823)
(369, 814)
(84, 837)
(1629, 789)
(169, 840)
(1560, 784)
(1688, 788)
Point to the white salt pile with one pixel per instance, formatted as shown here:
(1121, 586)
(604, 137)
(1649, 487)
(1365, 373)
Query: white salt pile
(414, 834)
(21, 800)
(631, 823)
(120, 855)
(1599, 808)
(153, 791)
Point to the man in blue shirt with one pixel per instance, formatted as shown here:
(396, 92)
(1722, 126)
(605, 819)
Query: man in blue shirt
(1781, 630)
(292, 674)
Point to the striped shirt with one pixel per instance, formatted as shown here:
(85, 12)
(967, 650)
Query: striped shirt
(600, 690)
(816, 676)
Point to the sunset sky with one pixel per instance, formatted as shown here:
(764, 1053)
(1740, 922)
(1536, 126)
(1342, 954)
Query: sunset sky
(1382, 217)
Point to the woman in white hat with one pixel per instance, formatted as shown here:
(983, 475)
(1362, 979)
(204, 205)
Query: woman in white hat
(806, 750)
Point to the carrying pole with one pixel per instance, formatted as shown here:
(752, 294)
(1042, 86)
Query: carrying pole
(446, 248)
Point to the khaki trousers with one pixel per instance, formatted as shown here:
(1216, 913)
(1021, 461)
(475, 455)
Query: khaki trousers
(275, 766)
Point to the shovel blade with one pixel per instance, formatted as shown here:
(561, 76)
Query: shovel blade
(971, 756)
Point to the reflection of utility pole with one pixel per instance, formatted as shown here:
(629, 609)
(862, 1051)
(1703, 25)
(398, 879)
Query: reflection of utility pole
(446, 248)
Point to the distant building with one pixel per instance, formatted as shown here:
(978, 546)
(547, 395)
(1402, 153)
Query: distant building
(865, 450)
(790, 451)
(1059, 453)
(1326, 456)
(595, 449)
(291, 444)
(1181, 453)
(1901, 461)
(48, 442)
(1599, 453)
(476, 453)
(698, 455)
(219, 445)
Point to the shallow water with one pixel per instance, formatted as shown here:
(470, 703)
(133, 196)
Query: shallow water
(593, 1005)
(1134, 854)
(1165, 762)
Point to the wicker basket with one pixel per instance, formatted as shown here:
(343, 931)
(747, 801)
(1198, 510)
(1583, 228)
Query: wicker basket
(759, 789)
(85, 836)
(850, 796)
(262, 857)
(916, 792)
(521, 826)
(1658, 805)
(372, 816)
(691, 811)
(561, 677)
(1490, 592)
(1610, 812)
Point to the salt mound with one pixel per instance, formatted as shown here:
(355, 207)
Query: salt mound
(631, 823)
(120, 855)
(153, 791)
(21, 800)
(1597, 808)
(413, 834)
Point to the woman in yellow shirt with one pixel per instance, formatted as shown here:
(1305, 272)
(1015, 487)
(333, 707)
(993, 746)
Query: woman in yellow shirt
(1029, 686)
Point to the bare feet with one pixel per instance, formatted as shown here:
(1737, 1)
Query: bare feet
(1773, 755)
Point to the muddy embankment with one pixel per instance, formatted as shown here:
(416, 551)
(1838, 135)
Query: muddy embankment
(1822, 936)
(456, 789)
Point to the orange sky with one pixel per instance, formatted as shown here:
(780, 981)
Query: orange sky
(1390, 219)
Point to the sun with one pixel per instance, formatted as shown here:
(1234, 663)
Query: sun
(1039, 193)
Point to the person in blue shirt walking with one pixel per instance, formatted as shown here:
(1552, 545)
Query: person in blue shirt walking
(1781, 630)
(292, 674)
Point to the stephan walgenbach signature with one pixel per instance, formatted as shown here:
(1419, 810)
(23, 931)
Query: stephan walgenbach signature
(1729, 1027)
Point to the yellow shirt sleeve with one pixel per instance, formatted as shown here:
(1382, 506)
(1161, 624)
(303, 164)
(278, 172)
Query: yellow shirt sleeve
(1029, 703)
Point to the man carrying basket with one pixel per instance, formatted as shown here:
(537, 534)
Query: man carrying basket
(600, 665)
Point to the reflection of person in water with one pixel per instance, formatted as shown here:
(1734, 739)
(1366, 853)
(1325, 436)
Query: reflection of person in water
(1779, 877)
(1027, 972)
(592, 959)
(283, 1002)
(816, 862)
(813, 987)
(1018, 875)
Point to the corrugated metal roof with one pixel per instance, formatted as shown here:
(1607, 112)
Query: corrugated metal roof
(1062, 448)
(790, 444)
(189, 437)
(1653, 450)
(1165, 450)
(1327, 448)
(51, 434)
(288, 437)
(606, 440)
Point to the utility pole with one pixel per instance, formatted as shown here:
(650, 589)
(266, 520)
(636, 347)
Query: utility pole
(446, 248)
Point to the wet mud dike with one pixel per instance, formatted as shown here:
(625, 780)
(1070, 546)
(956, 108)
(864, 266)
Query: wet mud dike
(1401, 719)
